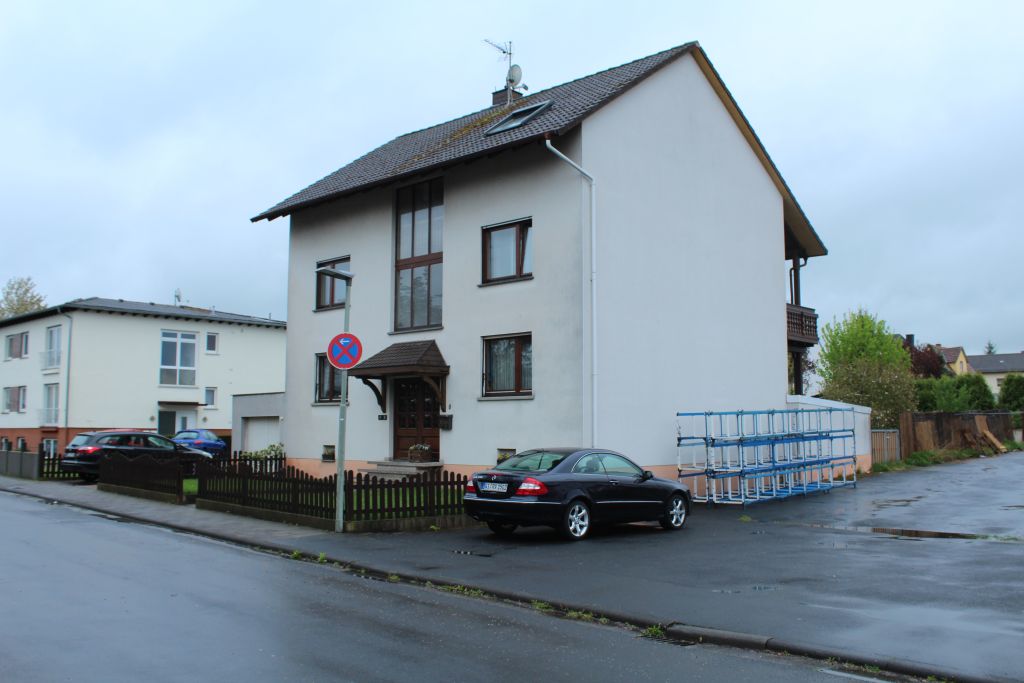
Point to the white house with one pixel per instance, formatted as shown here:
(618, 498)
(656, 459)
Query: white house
(505, 301)
(994, 367)
(109, 363)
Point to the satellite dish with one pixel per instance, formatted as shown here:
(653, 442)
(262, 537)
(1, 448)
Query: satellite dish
(515, 76)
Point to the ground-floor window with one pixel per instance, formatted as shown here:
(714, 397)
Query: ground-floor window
(50, 447)
(508, 365)
(328, 380)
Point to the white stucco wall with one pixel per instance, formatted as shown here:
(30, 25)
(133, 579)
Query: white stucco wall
(115, 366)
(31, 372)
(692, 309)
(530, 183)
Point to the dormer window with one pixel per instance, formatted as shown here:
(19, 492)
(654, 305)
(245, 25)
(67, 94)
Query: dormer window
(518, 118)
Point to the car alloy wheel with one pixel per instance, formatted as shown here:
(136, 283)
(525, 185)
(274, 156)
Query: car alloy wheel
(675, 513)
(577, 521)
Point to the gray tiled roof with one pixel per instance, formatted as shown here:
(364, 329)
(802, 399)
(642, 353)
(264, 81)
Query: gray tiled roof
(464, 138)
(140, 308)
(997, 362)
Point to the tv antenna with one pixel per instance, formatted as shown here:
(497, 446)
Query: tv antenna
(514, 76)
(177, 297)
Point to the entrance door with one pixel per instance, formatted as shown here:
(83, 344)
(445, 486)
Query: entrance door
(416, 413)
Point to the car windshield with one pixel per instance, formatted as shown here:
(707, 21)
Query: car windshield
(79, 440)
(532, 461)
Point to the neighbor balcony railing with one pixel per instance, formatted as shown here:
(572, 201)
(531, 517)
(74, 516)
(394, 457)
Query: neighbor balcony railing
(801, 325)
(51, 358)
(49, 416)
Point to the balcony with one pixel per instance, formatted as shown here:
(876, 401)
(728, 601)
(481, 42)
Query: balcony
(801, 326)
(51, 358)
(49, 417)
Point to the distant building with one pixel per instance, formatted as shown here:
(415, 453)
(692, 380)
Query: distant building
(994, 367)
(109, 363)
(956, 359)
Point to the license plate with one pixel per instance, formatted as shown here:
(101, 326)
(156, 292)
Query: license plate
(494, 487)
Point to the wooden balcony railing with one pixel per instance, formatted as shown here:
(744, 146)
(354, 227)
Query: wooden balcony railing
(801, 325)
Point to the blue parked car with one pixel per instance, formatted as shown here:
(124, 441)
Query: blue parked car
(201, 439)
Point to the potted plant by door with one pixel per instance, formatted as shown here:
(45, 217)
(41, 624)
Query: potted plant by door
(420, 452)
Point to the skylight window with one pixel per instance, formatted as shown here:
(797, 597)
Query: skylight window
(518, 117)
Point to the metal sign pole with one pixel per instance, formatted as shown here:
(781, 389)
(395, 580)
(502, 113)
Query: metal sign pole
(339, 449)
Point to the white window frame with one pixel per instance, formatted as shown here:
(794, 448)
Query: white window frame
(52, 350)
(51, 408)
(180, 338)
(216, 343)
(14, 399)
(50, 447)
(210, 405)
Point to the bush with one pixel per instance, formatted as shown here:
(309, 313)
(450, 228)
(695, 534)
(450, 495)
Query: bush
(1011, 394)
(859, 336)
(888, 388)
(954, 394)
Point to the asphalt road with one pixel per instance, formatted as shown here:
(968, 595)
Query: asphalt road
(86, 597)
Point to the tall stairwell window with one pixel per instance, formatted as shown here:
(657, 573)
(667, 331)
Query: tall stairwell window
(419, 255)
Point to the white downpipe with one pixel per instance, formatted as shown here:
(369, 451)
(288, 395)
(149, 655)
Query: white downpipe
(593, 288)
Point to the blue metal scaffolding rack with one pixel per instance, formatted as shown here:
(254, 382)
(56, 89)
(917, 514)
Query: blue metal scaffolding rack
(751, 456)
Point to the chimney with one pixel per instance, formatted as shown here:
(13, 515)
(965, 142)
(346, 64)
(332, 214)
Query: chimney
(501, 96)
(910, 340)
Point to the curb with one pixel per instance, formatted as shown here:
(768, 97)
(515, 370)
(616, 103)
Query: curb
(675, 632)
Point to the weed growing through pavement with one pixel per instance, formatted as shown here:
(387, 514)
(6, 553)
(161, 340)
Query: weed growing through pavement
(581, 616)
(393, 578)
(296, 555)
(322, 558)
(746, 518)
(462, 590)
(654, 631)
(434, 527)
(541, 605)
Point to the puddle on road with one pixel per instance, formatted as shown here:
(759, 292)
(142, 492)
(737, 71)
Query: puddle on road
(473, 553)
(896, 502)
(1013, 507)
(916, 534)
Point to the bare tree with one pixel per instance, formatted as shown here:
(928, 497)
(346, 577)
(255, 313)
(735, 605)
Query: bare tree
(20, 296)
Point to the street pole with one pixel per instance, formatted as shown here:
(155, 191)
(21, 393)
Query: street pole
(339, 449)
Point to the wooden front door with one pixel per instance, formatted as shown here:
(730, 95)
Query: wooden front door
(416, 411)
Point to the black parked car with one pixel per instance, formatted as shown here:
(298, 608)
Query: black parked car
(84, 452)
(572, 489)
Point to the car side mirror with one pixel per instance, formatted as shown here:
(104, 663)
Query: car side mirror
(647, 475)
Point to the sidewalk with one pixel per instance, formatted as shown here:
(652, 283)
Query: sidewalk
(942, 607)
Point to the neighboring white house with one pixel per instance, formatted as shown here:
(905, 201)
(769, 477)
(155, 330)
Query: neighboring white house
(994, 367)
(484, 329)
(109, 363)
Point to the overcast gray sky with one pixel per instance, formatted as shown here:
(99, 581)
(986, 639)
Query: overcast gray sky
(138, 138)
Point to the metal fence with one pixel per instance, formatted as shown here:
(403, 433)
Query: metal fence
(885, 445)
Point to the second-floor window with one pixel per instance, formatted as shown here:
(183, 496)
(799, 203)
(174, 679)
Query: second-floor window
(16, 346)
(508, 251)
(178, 358)
(331, 292)
(419, 235)
(14, 399)
(212, 342)
(51, 354)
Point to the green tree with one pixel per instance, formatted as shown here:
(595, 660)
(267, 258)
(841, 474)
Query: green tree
(859, 335)
(990, 348)
(887, 387)
(20, 296)
(863, 362)
(1011, 394)
(979, 395)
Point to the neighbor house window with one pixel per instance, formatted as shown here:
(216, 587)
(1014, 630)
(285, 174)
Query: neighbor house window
(16, 346)
(212, 342)
(51, 355)
(419, 236)
(508, 366)
(178, 358)
(211, 397)
(331, 291)
(51, 404)
(14, 399)
(508, 251)
(328, 380)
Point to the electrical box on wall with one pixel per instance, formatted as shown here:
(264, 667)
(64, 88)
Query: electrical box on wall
(444, 420)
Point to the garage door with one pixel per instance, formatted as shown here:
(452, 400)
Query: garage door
(260, 432)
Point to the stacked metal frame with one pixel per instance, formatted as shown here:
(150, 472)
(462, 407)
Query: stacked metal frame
(751, 456)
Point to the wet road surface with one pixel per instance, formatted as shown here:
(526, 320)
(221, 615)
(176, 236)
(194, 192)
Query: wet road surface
(85, 597)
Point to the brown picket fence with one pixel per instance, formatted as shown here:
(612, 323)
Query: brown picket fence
(426, 495)
(287, 490)
(150, 474)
